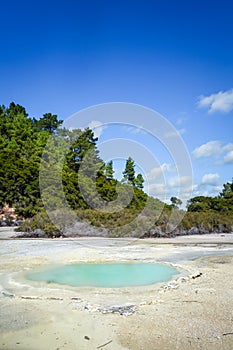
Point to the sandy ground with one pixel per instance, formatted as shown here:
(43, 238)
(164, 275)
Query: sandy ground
(185, 313)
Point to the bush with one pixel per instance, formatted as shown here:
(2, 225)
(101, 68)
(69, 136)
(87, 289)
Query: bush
(41, 221)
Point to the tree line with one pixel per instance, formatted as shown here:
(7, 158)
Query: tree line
(24, 142)
(223, 203)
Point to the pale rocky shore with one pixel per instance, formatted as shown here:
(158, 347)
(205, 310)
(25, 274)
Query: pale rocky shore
(192, 311)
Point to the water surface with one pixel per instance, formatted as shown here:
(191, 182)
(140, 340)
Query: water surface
(109, 275)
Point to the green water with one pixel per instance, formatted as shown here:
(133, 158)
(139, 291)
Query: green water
(105, 275)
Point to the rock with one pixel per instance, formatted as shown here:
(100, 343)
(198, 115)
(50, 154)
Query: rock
(170, 285)
(18, 222)
(196, 275)
(193, 231)
(76, 299)
(37, 233)
(87, 307)
(3, 224)
(124, 309)
(7, 294)
(183, 279)
(85, 229)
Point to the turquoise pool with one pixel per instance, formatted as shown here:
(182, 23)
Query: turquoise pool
(106, 275)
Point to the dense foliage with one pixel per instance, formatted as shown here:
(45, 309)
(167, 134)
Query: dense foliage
(221, 204)
(39, 149)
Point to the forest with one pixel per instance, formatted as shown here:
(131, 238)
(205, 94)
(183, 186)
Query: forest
(38, 152)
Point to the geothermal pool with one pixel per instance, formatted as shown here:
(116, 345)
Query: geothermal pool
(105, 275)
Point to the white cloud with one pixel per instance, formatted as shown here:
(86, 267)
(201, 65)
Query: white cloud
(175, 133)
(228, 158)
(179, 186)
(228, 147)
(212, 191)
(182, 187)
(180, 181)
(215, 148)
(157, 172)
(97, 127)
(202, 189)
(219, 102)
(210, 179)
(209, 190)
(181, 119)
(135, 130)
(157, 190)
(208, 186)
(208, 149)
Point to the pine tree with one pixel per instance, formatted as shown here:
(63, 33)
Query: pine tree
(49, 122)
(129, 172)
(139, 181)
(109, 170)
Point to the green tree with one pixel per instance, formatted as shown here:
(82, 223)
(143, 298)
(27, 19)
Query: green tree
(139, 181)
(21, 148)
(176, 202)
(129, 172)
(227, 190)
(109, 170)
(49, 122)
(82, 169)
(81, 143)
(14, 175)
(199, 203)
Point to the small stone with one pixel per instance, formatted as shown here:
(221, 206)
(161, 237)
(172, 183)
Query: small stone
(6, 294)
(86, 337)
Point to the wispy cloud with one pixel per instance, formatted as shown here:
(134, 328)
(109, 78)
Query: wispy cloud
(163, 184)
(208, 186)
(210, 179)
(135, 130)
(208, 190)
(208, 149)
(228, 147)
(228, 159)
(181, 119)
(158, 190)
(216, 149)
(219, 102)
(180, 186)
(180, 181)
(97, 127)
(212, 191)
(175, 133)
(158, 172)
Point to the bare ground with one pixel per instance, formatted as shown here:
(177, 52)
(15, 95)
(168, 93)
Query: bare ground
(193, 313)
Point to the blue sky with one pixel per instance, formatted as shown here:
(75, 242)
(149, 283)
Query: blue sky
(174, 56)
